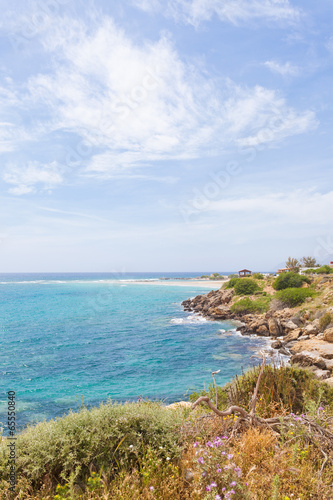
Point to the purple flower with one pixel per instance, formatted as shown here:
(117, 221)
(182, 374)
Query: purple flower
(238, 471)
(223, 452)
(229, 457)
(201, 460)
(152, 488)
(209, 444)
(223, 489)
(232, 492)
(218, 470)
(196, 444)
(321, 408)
(233, 483)
(204, 474)
(207, 488)
(217, 497)
(213, 485)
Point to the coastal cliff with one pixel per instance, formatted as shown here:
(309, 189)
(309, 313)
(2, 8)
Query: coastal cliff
(304, 332)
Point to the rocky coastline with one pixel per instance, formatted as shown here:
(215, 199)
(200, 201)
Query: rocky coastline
(297, 332)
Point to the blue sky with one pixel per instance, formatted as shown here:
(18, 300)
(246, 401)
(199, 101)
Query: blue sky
(181, 135)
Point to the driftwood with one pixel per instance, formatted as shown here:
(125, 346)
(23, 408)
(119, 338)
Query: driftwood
(311, 430)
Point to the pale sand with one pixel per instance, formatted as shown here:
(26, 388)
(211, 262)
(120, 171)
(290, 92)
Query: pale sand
(211, 284)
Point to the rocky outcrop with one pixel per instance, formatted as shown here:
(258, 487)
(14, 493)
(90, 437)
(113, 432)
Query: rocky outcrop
(297, 334)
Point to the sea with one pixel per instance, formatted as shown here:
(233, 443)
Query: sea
(78, 339)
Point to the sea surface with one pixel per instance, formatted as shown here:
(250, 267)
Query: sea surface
(73, 339)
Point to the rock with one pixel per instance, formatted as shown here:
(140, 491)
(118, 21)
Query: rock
(322, 374)
(293, 335)
(221, 312)
(274, 327)
(308, 359)
(277, 344)
(262, 330)
(290, 325)
(297, 320)
(328, 335)
(284, 351)
(329, 381)
(311, 329)
(308, 299)
(188, 475)
(329, 364)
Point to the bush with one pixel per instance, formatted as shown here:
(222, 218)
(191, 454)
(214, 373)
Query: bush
(293, 297)
(289, 280)
(258, 276)
(325, 320)
(232, 282)
(111, 436)
(324, 270)
(246, 306)
(245, 286)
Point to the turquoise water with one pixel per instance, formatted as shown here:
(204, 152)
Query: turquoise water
(64, 337)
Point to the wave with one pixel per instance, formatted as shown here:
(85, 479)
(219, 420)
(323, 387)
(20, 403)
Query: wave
(189, 320)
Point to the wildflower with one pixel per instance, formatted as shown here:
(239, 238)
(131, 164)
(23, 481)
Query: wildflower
(209, 444)
(130, 446)
(238, 471)
(223, 489)
(201, 460)
(213, 485)
(232, 492)
(152, 488)
(168, 458)
(218, 470)
(196, 444)
(217, 497)
(207, 488)
(233, 483)
(204, 474)
(321, 408)
(229, 457)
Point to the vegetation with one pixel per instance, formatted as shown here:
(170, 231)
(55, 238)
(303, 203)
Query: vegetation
(247, 306)
(293, 297)
(289, 280)
(245, 286)
(145, 451)
(232, 282)
(258, 276)
(293, 264)
(309, 262)
(325, 320)
(324, 270)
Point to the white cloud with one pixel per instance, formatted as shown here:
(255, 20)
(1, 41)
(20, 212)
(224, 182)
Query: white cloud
(234, 11)
(283, 69)
(299, 206)
(27, 178)
(141, 104)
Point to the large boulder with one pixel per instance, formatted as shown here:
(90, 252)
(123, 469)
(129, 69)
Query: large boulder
(328, 335)
(289, 326)
(308, 359)
(311, 329)
(274, 327)
(293, 335)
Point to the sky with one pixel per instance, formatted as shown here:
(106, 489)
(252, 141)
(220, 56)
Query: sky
(175, 135)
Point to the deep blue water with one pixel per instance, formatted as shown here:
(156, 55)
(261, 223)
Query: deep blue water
(68, 336)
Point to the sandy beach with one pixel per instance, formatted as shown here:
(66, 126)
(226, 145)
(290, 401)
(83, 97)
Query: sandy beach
(211, 284)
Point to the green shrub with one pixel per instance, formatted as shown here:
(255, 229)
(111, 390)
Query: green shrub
(232, 282)
(246, 306)
(325, 320)
(293, 297)
(289, 280)
(258, 276)
(112, 437)
(245, 286)
(324, 270)
(233, 276)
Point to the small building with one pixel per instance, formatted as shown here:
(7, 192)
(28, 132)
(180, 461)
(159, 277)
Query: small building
(331, 264)
(244, 272)
(283, 270)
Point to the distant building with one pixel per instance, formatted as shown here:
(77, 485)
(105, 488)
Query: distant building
(283, 270)
(331, 264)
(244, 272)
